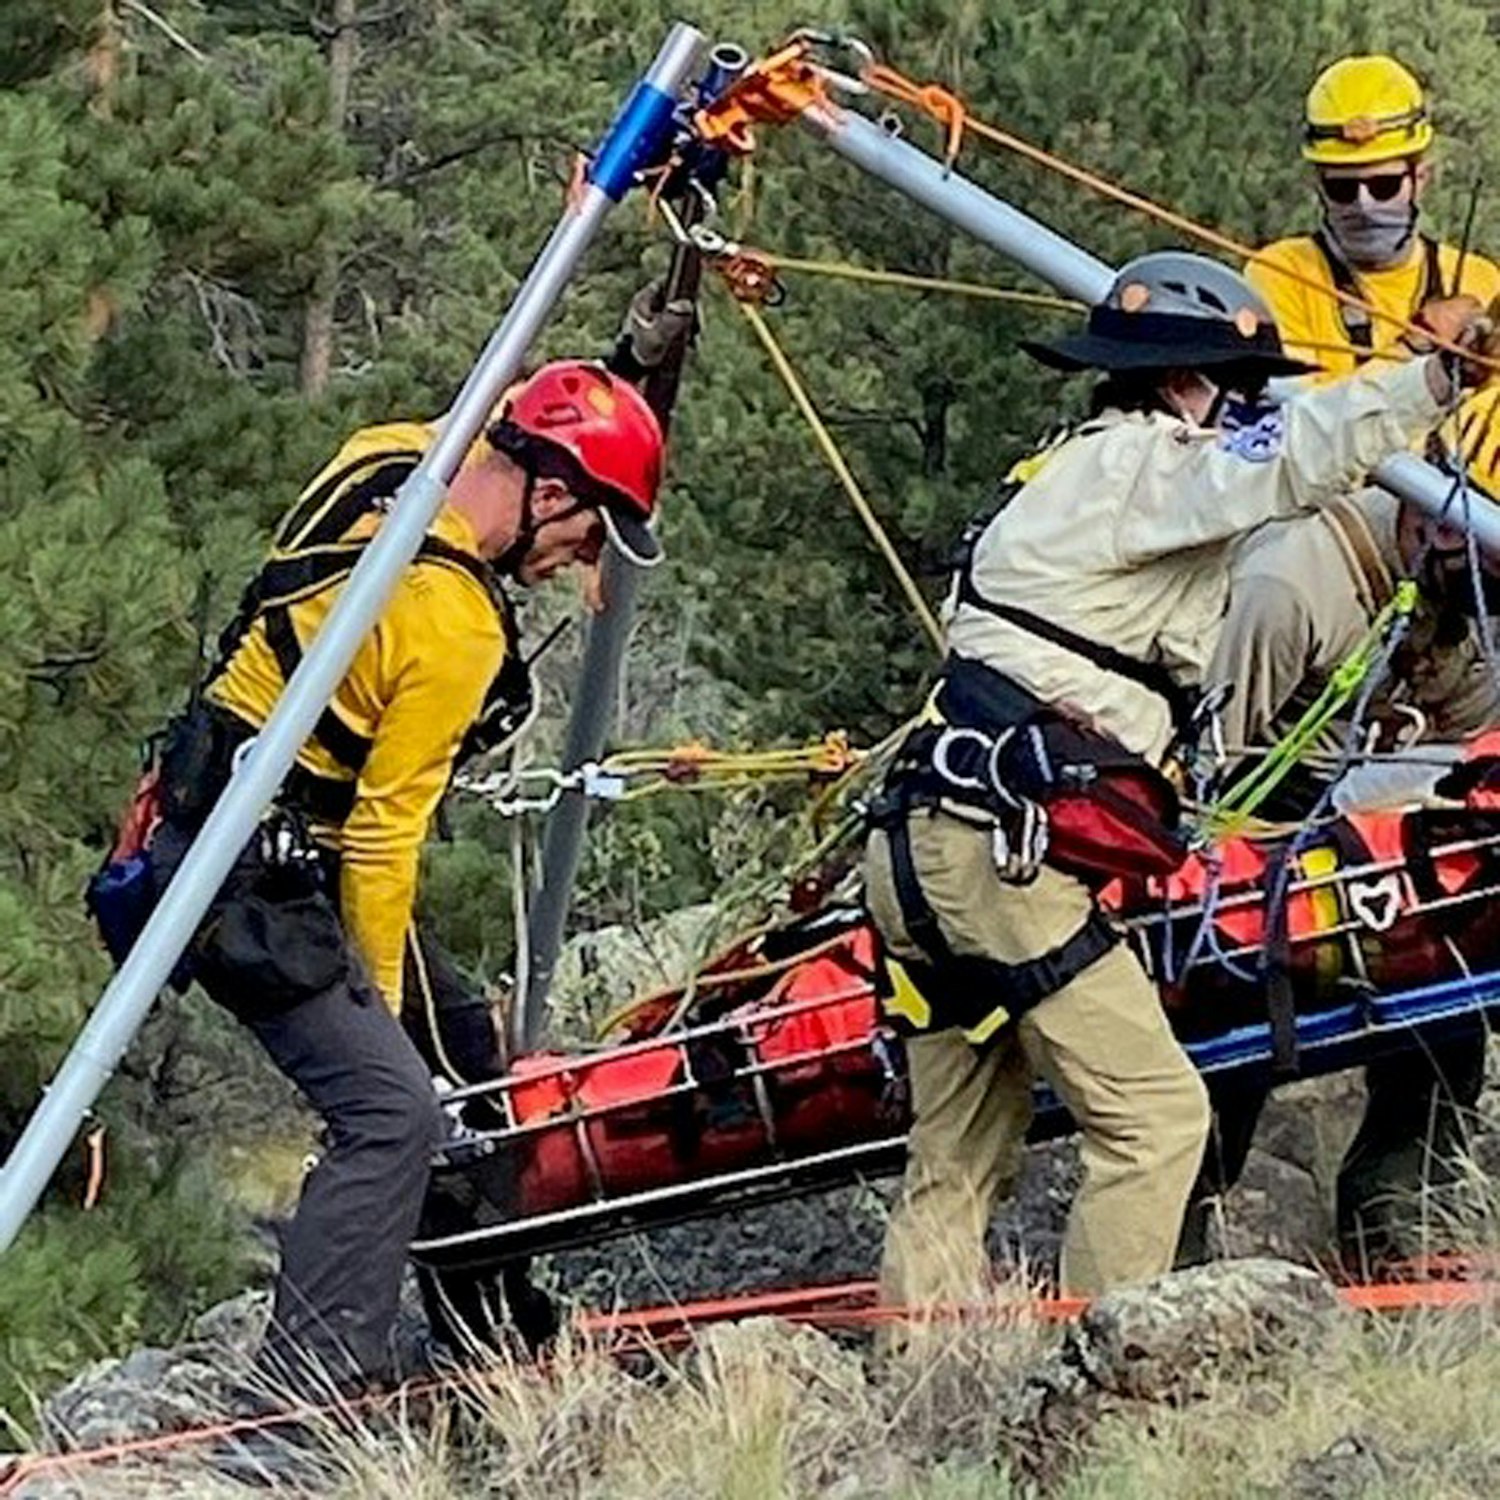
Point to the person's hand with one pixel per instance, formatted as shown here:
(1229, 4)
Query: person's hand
(1442, 320)
(1467, 323)
(654, 329)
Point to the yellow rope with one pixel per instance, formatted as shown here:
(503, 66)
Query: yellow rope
(848, 271)
(836, 462)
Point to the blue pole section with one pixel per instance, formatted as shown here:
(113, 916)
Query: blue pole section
(1076, 273)
(641, 133)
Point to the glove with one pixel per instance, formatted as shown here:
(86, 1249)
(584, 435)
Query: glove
(651, 330)
(1464, 321)
(1446, 319)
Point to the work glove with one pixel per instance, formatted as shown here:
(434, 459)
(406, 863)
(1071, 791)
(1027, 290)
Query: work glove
(1464, 321)
(654, 329)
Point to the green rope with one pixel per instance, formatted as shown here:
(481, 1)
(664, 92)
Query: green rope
(1237, 805)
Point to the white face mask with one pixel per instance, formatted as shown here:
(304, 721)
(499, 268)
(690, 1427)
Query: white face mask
(1370, 235)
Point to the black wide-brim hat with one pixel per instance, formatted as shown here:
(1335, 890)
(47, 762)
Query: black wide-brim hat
(1119, 340)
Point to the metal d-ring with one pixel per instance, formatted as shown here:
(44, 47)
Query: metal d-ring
(946, 742)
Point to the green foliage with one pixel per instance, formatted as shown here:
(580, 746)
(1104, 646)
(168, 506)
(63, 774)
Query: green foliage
(80, 1286)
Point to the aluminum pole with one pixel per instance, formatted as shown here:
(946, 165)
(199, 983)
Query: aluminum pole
(640, 132)
(1076, 273)
(598, 683)
(596, 694)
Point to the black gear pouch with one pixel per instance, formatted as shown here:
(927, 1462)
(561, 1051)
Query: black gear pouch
(264, 954)
(273, 938)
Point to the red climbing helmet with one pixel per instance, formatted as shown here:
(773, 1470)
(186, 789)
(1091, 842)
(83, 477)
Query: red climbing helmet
(609, 440)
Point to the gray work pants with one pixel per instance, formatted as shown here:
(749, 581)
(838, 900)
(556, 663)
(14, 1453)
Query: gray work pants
(273, 952)
(344, 1252)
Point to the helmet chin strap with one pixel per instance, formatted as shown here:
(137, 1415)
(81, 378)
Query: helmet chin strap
(509, 562)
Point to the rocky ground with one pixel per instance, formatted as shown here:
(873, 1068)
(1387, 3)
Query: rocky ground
(1325, 1406)
(1245, 1378)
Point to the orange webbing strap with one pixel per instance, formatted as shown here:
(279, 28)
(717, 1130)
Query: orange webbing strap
(854, 1304)
(931, 98)
(950, 113)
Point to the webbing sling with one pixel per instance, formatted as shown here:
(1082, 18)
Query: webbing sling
(966, 985)
(1358, 323)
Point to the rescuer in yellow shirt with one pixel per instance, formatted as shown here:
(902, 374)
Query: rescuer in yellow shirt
(1367, 135)
(305, 942)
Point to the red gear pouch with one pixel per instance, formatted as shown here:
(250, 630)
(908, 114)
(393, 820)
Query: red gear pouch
(1110, 813)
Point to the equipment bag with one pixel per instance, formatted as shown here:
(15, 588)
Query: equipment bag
(121, 893)
(1109, 812)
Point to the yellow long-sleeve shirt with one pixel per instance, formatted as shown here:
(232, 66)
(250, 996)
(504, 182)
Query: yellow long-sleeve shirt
(1309, 317)
(415, 686)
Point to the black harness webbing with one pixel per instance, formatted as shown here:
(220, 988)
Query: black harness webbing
(303, 576)
(971, 987)
(1149, 675)
(1357, 322)
(1281, 1000)
(314, 552)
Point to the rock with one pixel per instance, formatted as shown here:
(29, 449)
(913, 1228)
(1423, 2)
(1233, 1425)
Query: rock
(731, 1355)
(151, 1391)
(1172, 1341)
(235, 1326)
(1348, 1468)
(154, 1391)
(1278, 1208)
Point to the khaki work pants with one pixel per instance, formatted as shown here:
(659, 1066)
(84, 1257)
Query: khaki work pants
(1102, 1042)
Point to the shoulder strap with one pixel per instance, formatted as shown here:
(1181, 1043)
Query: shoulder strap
(1352, 532)
(1149, 675)
(1356, 320)
(314, 553)
(326, 512)
(1432, 274)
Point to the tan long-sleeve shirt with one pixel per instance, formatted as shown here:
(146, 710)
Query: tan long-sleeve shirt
(1123, 537)
(1303, 595)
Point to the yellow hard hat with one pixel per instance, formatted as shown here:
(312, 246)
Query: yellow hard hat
(1472, 434)
(1362, 110)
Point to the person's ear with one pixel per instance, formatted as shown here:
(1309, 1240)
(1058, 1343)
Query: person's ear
(550, 498)
(1421, 175)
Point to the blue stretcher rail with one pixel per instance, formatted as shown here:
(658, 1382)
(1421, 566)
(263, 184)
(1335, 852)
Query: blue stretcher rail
(1366, 1019)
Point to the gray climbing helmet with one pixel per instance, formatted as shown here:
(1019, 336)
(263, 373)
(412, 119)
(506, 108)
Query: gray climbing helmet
(1175, 310)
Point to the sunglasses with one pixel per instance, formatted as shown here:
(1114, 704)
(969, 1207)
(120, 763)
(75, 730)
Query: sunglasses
(1385, 187)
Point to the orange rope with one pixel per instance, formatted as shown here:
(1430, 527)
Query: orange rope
(950, 113)
(854, 1304)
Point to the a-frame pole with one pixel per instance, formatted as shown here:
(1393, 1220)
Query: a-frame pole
(1074, 272)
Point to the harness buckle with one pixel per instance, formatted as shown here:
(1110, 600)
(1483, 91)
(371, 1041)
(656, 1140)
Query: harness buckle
(950, 740)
